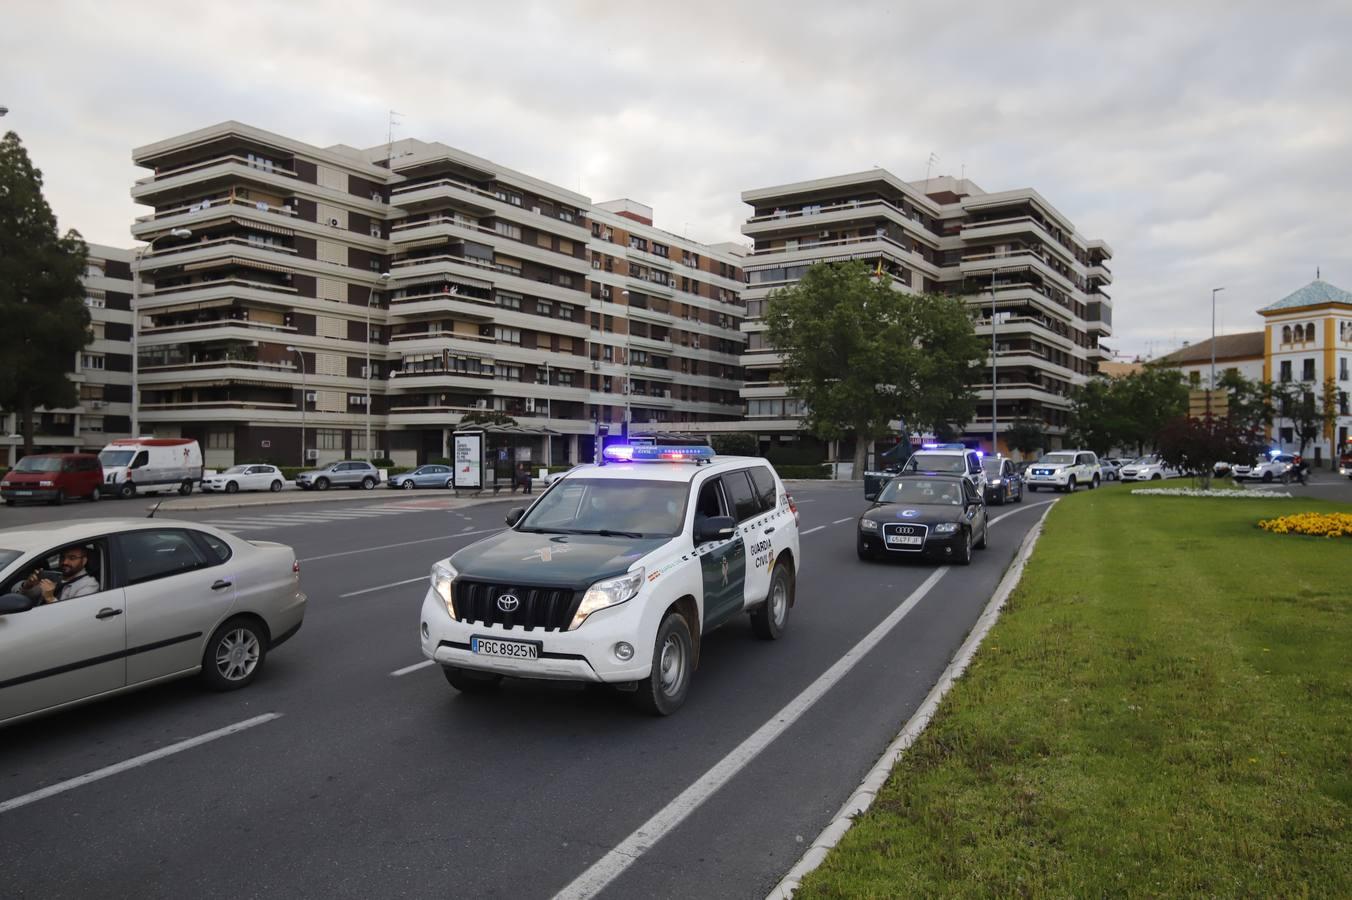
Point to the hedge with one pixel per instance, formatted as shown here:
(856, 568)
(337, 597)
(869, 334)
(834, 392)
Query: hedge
(821, 471)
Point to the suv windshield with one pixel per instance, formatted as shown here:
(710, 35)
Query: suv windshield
(638, 508)
(921, 490)
(992, 466)
(1144, 461)
(1058, 459)
(937, 462)
(116, 457)
(39, 464)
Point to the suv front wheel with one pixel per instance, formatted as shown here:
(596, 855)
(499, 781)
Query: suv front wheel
(368, 482)
(663, 691)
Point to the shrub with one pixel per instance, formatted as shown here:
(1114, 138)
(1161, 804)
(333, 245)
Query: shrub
(737, 443)
(821, 470)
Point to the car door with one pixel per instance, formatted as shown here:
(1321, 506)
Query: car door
(975, 501)
(768, 537)
(61, 652)
(260, 477)
(752, 520)
(722, 563)
(176, 591)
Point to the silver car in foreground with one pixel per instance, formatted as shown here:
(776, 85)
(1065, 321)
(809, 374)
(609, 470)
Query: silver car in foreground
(147, 600)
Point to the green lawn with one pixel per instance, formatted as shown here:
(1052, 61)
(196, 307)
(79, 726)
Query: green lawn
(1164, 709)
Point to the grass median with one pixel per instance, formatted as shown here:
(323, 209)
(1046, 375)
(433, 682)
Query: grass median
(1164, 709)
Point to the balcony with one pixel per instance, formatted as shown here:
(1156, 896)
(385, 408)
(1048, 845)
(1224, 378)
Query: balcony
(847, 211)
(483, 203)
(987, 262)
(180, 215)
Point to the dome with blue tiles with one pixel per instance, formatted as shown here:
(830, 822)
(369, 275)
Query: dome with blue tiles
(1317, 293)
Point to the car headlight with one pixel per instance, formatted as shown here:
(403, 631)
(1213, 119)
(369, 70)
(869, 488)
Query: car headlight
(443, 574)
(995, 482)
(946, 528)
(611, 592)
(868, 525)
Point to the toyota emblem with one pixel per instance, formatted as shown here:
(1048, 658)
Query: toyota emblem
(508, 603)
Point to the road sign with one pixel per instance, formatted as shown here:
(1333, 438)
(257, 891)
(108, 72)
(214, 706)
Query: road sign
(1198, 405)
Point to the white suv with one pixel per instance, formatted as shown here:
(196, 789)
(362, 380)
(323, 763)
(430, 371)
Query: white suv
(1064, 470)
(1148, 468)
(615, 572)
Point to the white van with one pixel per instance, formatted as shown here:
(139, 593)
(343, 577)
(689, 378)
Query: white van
(150, 465)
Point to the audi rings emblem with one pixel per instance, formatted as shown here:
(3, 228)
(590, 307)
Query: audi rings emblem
(508, 603)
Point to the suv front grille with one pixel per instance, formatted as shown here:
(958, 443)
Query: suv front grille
(549, 608)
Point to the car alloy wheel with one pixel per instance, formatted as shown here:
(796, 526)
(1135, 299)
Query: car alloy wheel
(275, 486)
(232, 487)
(450, 484)
(407, 484)
(234, 655)
(965, 557)
(367, 483)
(95, 495)
(1070, 485)
(322, 484)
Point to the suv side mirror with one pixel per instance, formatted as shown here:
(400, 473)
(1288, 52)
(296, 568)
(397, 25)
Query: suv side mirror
(15, 603)
(514, 514)
(715, 528)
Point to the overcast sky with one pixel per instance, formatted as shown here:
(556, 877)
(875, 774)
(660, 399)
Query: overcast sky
(1209, 143)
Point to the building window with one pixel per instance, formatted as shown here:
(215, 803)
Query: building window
(507, 229)
(1285, 370)
(1309, 331)
(508, 301)
(544, 308)
(95, 300)
(92, 424)
(356, 399)
(1307, 368)
(1342, 368)
(563, 280)
(221, 439)
(1194, 378)
(91, 361)
(563, 378)
(507, 373)
(328, 439)
(507, 335)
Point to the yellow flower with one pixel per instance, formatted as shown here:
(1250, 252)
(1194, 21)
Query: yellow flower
(1317, 524)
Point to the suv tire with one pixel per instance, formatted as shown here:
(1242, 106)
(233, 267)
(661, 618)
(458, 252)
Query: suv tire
(468, 681)
(1070, 485)
(1094, 483)
(664, 690)
(770, 619)
(321, 484)
(367, 483)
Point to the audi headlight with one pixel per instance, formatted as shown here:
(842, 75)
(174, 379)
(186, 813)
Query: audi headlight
(443, 573)
(611, 592)
(946, 528)
(868, 525)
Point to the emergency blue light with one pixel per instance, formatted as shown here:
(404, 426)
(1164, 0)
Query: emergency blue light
(656, 453)
(943, 447)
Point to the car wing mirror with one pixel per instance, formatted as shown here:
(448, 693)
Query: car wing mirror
(15, 603)
(715, 528)
(871, 496)
(514, 514)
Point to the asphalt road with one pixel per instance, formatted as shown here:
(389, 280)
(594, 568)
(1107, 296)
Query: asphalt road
(372, 783)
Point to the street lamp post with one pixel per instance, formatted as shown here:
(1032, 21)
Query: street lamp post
(1214, 292)
(549, 415)
(384, 283)
(995, 366)
(136, 324)
(301, 356)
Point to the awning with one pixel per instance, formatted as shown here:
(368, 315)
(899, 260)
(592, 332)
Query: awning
(263, 226)
(149, 304)
(236, 261)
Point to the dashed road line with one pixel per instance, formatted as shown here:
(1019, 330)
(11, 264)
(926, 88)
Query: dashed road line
(413, 668)
(382, 587)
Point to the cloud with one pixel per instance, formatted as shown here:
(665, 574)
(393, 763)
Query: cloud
(1206, 142)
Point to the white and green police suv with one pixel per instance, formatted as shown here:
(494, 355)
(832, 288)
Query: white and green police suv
(616, 571)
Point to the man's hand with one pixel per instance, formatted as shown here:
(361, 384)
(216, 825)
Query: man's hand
(48, 588)
(32, 578)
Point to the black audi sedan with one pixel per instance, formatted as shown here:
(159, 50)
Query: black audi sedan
(936, 517)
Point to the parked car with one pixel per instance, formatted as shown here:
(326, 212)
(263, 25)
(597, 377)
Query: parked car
(53, 477)
(1267, 469)
(149, 600)
(347, 473)
(245, 478)
(1148, 468)
(429, 476)
(150, 465)
(1003, 482)
(1111, 469)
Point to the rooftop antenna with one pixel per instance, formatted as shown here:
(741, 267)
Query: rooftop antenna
(154, 509)
(929, 164)
(1316, 273)
(389, 137)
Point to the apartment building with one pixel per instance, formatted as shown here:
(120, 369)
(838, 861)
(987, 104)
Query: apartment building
(467, 286)
(665, 319)
(1046, 281)
(101, 371)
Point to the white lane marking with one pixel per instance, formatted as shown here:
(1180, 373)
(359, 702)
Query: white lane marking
(381, 587)
(444, 537)
(613, 864)
(868, 789)
(810, 530)
(846, 519)
(134, 762)
(1021, 508)
(413, 668)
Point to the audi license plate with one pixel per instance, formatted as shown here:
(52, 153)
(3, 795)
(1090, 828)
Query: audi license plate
(508, 649)
(24, 493)
(905, 540)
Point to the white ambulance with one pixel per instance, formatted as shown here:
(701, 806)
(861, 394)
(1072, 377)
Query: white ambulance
(146, 465)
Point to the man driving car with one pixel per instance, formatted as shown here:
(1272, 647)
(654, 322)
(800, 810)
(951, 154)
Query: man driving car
(75, 581)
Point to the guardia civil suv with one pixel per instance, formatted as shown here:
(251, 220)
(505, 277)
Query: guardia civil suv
(1064, 470)
(615, 572)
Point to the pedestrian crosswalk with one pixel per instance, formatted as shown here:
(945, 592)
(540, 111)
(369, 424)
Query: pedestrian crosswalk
(318, 517)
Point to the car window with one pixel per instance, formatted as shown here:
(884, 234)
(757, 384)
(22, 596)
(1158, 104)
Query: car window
(764, 483)
(141, 459)
(589, 505)
(973, 463)
(215, 546)
(930, 491)
(7, 557)
(710, 503)
(148, 555)
(935, 462)
(744, 503)
(969, 492)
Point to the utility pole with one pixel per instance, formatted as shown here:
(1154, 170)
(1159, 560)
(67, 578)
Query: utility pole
(995, 367)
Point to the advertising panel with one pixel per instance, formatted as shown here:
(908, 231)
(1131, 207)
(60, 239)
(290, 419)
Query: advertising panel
(469, 459)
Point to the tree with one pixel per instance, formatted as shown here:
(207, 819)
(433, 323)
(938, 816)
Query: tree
(1194, 446)
(737, 443)
(41, 295)
(861, 355)
(1026, 435)
(1097, 415)
(1148, 400)
(1298, 402)
(1249, 403)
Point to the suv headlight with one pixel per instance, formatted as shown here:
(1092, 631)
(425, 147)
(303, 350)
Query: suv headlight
(946, 528)
(611, 592)
(443, 573)
(868, 525)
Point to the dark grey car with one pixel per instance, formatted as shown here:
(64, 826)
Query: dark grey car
(345, 473)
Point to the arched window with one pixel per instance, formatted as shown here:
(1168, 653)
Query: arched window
(1286, 334)
(1309, 331)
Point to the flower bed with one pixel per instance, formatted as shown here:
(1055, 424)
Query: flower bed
(1198, 492)
(1316, 524)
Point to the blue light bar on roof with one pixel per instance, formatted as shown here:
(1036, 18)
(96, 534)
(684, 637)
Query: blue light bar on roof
(943, 446)
(656, 453)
